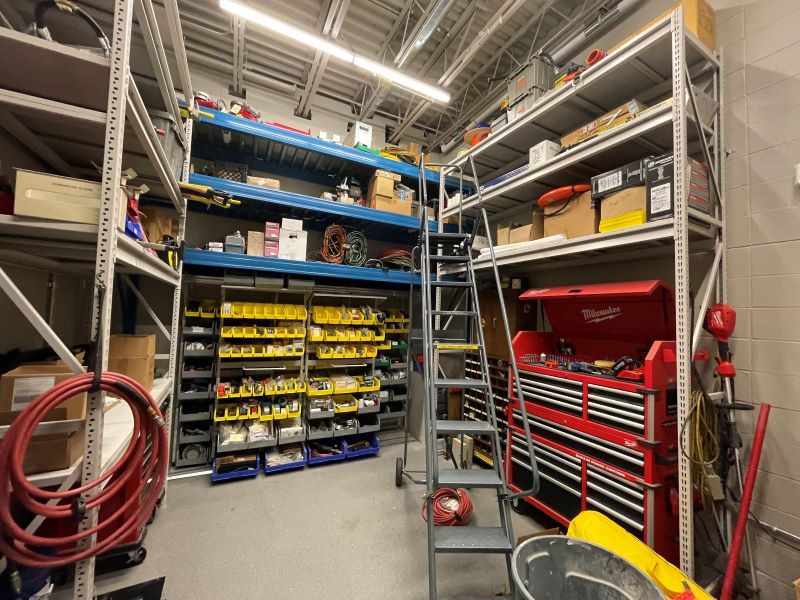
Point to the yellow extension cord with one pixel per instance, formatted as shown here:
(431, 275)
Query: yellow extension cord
(704, 451)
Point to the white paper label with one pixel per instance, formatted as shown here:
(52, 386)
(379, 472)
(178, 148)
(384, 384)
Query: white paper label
(660, 199)
(28, 389)
(609, 181)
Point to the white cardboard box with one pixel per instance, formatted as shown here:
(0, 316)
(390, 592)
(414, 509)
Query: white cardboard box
(542, 152)
(59, 198)
(292, 224)
(293, 245)
(361, 133)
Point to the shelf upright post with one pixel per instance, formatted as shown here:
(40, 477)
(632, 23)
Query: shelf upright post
(175, 352)
(104, 270)
(682, 297)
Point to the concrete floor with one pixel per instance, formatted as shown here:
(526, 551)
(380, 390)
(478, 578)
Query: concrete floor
(339, 532)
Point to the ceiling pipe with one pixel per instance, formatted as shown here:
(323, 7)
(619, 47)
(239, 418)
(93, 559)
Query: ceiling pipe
(565, 52)
(423, 30)
(582, 41)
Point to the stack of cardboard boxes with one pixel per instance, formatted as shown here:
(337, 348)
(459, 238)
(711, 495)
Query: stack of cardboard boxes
(286, 239)
(132, 355)
(386, 193)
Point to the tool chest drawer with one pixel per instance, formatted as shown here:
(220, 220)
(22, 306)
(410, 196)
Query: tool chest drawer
(582, 444)
(581, 471)
(559, 477)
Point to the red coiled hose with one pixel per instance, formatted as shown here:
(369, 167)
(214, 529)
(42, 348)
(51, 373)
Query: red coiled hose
(142, 479)
(450, 507)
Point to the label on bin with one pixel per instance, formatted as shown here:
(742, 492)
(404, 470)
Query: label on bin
(27, 389)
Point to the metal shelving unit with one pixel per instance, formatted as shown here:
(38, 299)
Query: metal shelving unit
(659, 66)
(292, 150)
(95, 105)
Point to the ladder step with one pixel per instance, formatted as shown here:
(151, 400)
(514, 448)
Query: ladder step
(469, 478)
(458, 427)
(460, 346)
(461, 383)
(471, 539)
(451, 284)
(455, 258)
(434, 236)
(455, 313)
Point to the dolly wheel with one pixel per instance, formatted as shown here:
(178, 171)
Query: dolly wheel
(136, 557)
(398, 472)
(516, 506)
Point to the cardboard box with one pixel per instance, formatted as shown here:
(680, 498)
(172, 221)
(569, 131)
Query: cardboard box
(293, 244)
(503, 236)
(134, 356)
(157, 223)
(698, 17)
(630, 175)
(659, 175)
(361, 133)
(542, 152)
(272, 230)
(50, 452)
(255, 243)
(623, 202)
(576, 220)
(392, 204)
(609, 120)
(264, 182)
(54, 197)
(382, 184)
(292, 224)
(21, 386)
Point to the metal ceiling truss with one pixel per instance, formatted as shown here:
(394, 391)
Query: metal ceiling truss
(330, 27)
(480, 104)
(510, 7)
(239, 28)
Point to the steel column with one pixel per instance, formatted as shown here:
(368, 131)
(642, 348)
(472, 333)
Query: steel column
(682, 281)
(104, 269)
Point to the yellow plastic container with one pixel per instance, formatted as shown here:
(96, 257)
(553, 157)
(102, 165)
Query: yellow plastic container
(226, 332)
(191, 313)
(280, 311)
(319, 314)
(296, 413)
(208, 309)
(249, 310)
(629, 219)
(249, 332)
(222, 417)
(269, 311)
(290, 312)
(279, 412)
(372, 351)
(248, 351)
(237, 310)
(324, 352)
(302, 313)
(334, 315)
(350, 352)
(384, 346)
(225, 353)
(379, 334)
(368, 388)
(316, 334)
(345, 317)
(345, 404)
(353, 335)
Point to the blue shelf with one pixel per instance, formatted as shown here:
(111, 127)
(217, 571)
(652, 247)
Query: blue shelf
(226, 260)
(307, 204)
(280, 136)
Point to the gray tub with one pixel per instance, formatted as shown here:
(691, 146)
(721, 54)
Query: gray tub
(556, 567)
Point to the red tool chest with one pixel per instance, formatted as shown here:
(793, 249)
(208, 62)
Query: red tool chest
(602, 443)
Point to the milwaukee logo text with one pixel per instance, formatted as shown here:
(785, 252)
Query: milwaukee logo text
(595, 315)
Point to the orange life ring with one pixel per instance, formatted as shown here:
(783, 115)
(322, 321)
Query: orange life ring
(562, 193)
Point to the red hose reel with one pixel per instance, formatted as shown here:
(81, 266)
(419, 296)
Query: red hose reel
(139, 477)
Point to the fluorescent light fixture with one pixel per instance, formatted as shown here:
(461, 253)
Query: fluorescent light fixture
(404, 81)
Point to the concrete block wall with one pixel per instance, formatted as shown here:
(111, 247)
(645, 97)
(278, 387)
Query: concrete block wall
(761, 44)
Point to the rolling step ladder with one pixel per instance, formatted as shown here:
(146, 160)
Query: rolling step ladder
(453, 250)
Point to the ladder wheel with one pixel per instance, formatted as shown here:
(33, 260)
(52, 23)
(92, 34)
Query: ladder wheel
(398, 472)
(517, 507)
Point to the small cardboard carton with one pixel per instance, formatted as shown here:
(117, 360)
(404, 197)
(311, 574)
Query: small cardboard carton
(134, 356)
(576, 220)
